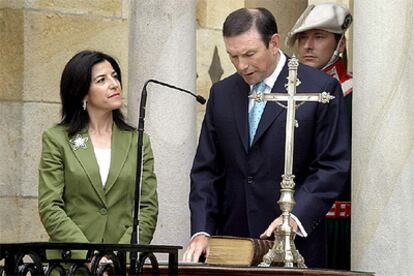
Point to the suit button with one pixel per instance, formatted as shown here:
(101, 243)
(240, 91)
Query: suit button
(249, 180)
(103, 211)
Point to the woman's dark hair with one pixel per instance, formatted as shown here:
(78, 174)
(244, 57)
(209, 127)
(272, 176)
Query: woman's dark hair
(74, 86)
(242, 20)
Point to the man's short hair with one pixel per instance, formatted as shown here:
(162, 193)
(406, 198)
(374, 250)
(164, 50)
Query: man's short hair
(242, 20)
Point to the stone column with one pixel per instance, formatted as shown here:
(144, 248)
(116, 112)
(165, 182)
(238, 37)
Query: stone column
(383, 138)
(162, 47)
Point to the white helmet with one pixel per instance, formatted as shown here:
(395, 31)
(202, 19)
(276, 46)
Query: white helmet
(329, 17)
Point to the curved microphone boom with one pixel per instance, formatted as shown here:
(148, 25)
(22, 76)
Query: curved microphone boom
(199, 98)
(141, 120)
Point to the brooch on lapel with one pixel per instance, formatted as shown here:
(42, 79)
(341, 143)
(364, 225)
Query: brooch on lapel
(78, 142)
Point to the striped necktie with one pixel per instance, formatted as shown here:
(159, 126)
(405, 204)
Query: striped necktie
(256, 112)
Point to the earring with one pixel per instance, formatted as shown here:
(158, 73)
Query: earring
(84, 104)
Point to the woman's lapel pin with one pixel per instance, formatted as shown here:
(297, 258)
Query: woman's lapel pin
(78, 142)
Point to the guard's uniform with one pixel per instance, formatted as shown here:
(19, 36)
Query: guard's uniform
(339, 72)
(339, 217)
(335, 19)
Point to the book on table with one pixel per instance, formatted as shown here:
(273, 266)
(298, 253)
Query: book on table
(229, 250)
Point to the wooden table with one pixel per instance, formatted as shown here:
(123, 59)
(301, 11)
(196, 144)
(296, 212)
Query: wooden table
(195, 270)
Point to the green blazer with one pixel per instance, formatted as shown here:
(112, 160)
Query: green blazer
(74, 206)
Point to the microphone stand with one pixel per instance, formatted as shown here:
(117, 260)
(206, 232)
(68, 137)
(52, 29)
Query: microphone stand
(138, 179)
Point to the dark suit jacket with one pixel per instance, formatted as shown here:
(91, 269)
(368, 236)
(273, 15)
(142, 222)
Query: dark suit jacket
(235, 188)
(74, 206)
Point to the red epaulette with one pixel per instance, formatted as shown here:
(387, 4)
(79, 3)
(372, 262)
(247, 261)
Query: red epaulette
(338, 71)
(340, 209)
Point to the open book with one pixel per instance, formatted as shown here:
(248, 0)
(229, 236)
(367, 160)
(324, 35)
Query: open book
(228, 250)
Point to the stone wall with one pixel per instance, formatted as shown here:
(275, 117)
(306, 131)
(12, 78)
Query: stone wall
(37, 39)
(213, 63)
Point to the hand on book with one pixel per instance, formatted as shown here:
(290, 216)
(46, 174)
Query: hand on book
(272, 227)
(197, 246)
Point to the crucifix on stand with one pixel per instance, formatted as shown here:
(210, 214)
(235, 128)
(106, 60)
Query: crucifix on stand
(284, 251)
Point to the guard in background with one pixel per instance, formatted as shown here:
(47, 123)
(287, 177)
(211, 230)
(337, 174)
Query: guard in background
(321, 43)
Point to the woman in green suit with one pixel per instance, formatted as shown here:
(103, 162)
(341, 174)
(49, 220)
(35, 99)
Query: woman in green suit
(88, 163)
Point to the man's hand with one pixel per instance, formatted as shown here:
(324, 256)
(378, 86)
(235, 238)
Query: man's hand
(196, 247)
(104, 263)
(266, 234)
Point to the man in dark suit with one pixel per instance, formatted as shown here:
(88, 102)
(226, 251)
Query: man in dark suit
(238, 166)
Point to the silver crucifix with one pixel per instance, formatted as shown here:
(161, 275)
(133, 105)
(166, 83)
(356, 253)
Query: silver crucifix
(284, 250)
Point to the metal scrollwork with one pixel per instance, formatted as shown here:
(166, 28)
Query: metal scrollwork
(109, 259)
(326, 97)
(55, 266)
(258, 97)
(154, 263)
(287, 181)
(79, 268)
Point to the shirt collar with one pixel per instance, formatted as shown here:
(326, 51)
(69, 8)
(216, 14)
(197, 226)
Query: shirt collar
(271, 80)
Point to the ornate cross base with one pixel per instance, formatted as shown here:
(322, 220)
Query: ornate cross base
(277, 256)
(284, 252)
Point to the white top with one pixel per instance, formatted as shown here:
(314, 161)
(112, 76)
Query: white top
(103, 157)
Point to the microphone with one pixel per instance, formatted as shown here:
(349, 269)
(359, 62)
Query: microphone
(199, 98)
(138, 179)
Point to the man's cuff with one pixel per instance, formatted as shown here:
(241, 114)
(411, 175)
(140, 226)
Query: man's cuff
(198, 234)
(301, 230)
